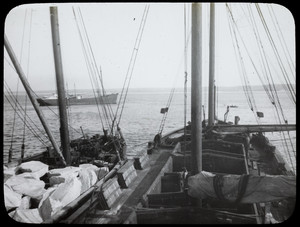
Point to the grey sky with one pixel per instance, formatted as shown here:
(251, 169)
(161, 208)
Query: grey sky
(112, 30)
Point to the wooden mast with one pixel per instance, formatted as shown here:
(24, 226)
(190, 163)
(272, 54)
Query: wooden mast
(31, 97)
(211, 93)
(64, 131)
(196, 99)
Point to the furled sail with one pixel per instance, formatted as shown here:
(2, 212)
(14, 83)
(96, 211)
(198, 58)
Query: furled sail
(241, 188)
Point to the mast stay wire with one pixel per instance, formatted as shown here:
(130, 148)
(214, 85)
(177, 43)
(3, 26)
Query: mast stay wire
(165, 114)
(90, 61)
(282, 41)
(131, 65)
(110, 111)
(100, 79)
(275, 102)
(182, 60)
(266, 63)
(27, 124)
(19, 110)
(25, 108)
(185, 83)
(288, 82)
(8, 62)
(17, 92)
(247, 89)
(263, 57)
(88, 64)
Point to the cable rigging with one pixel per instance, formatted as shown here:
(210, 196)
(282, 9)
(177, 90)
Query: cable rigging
(284, 73)
(130, 69)
(183, 60)
(14, 118)
(15, 101)
(89, 60)
(276, 101)
(247, 89)
(99, 82)
(287, 55)
(185, 83)
(270, 90)
(18, 109)
(25, 110)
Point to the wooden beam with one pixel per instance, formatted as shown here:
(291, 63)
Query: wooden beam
(196, 87)
(254, 128)
(30, 94)
(63, 117)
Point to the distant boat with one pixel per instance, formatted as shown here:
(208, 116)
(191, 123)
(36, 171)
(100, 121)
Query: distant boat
(78, 100)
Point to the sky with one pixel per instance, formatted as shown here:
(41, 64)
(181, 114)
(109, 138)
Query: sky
(112, 29)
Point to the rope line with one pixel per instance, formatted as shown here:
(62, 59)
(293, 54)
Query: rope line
(132, 61)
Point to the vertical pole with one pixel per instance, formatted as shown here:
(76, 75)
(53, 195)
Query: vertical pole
(64, 132)
(215, 101)
(31, 96)
(196, 99)
(211, 93)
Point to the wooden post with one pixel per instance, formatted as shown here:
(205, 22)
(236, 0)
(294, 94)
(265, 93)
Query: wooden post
(196, 99)
(211, 93)
(31, 96)
(64, 131)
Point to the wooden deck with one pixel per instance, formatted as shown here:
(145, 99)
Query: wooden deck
(121, 210)
(125, 198)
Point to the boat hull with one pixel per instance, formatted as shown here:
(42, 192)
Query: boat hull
(107, 99)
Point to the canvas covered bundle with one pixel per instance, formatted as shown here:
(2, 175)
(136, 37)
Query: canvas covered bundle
(228, 187)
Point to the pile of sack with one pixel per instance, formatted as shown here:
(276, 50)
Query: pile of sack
(29, 199)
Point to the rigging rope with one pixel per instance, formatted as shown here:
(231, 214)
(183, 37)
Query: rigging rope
(8, 62)
(100, 79)
(18, 110)
(247, 89)
(267, 71)
(25, 110)
(272, 91)
(131, 66)
(167, 108)
(185, 85)
(282, 41)
(96, 80)
(110, 111)
(284, 73)
(90, 69)
(14, 118)
(276, 101)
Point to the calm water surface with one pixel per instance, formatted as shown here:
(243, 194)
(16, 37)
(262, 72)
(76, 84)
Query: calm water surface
(141, 119)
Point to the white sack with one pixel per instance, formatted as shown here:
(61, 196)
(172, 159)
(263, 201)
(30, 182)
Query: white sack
(36, 168)
(27, 216)
(11, 199)
(25, 203)
(27, 186)
(100, 172)
(87, 178)
(58, 176)
(60, 197)
(8, 172)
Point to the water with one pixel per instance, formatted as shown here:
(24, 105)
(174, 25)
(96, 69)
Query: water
(141, 118)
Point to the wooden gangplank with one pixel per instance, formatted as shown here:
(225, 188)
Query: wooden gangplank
(254, 128)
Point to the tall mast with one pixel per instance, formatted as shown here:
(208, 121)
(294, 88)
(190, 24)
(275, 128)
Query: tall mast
(31, 97)
(196, 99)
(211, 93)
(64, 131)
